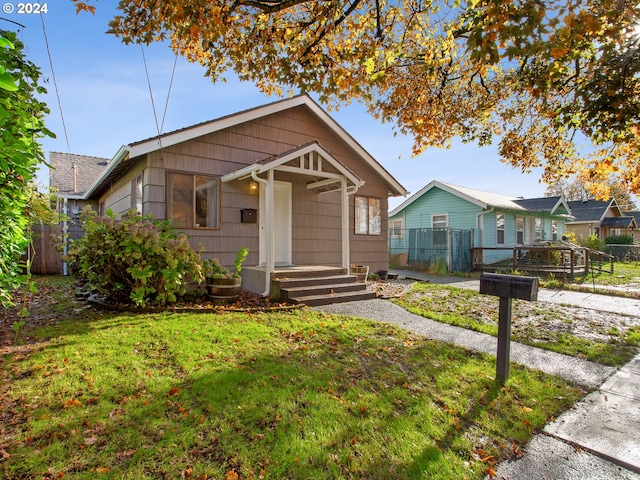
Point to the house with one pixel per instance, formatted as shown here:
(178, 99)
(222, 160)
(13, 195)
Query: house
(284, 180)
(70, 176)
(602, 218)
(420, 225)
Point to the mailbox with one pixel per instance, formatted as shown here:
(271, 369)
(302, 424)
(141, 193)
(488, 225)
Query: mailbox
(509, 286)
(248, 215)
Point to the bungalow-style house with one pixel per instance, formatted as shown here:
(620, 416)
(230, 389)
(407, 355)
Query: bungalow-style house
(421, 224)
(284, 180)
(602, 218)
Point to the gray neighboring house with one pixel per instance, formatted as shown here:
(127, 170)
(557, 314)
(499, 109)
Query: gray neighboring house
(70, 176)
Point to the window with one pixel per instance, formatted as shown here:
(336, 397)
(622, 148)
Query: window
(395, 229)
(538, 229)
(368, 219)
(499, 228)
(554, 230)
(439, 225)
(193, 200)
(136, 193)
(520, 230)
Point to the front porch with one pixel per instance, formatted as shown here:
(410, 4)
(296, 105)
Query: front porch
(309, 284)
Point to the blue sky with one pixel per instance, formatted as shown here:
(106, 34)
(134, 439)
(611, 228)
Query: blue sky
(106, 103)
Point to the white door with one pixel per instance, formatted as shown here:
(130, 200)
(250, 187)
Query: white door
(281, 223)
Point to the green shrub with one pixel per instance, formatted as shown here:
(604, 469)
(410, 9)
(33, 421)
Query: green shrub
(592, 242)
(134, 259)
(624, 239)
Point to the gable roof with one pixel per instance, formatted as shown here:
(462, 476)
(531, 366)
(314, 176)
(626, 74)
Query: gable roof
(477, 197)
(554, 205)
(486, 200)
(592, 210)
(619, 222)
(152, 144)
(71, 175)
(635, 214)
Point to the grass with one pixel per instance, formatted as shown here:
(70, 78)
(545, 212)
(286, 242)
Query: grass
(532, 325)
(274, 396)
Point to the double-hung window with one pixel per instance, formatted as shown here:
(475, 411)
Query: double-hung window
(193, 201)
(368, 216)
(439, 224)
(520, 230)
(500, 229)
(136, 193)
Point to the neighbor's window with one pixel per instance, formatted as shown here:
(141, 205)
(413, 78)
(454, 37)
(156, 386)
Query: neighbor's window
(500, 228)
(193, 200)
(520, 230)
(395, 228)
(538, 228)
(368, 216)
(439, 224)
(136, 193)
(554, 230)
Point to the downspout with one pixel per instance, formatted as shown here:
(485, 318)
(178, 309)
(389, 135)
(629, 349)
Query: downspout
(267, 238)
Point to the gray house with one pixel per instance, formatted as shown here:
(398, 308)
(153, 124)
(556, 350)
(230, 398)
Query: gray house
(284, 180)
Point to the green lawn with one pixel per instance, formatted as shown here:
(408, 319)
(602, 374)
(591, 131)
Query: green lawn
(556, 328)
(239, 396)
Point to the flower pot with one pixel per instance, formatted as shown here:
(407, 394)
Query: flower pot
(224, 288)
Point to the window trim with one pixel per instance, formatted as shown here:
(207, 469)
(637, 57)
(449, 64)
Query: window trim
(356, 218)
(520, 232)
(135, 201)
(194, 177)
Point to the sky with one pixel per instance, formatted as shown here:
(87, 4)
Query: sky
(103, 100)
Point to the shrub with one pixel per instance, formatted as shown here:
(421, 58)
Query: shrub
(624, 239)
(134, 259)
(592, 242)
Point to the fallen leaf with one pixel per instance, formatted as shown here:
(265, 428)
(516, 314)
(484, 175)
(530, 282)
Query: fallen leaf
(90, 440)
(527, 409)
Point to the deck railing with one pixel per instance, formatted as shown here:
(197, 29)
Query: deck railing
(567, 260)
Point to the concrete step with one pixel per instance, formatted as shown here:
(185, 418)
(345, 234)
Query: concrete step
(291, 293)
(289, 283)
(317, 300)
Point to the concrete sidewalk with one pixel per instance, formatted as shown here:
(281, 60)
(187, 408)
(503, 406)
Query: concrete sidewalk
(599, 438)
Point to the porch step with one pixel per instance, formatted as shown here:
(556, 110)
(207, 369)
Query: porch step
(323, 290)
(327, 299)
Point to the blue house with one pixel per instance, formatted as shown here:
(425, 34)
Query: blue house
(442, 220)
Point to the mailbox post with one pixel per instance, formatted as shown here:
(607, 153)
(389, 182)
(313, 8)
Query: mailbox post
(507, 287)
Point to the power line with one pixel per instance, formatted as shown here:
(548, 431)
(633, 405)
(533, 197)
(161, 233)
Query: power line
(55, 84)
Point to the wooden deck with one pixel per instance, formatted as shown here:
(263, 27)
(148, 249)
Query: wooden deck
(562, 261)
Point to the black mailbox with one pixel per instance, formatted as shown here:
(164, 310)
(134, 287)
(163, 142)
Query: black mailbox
(509, 286)
(248, 215)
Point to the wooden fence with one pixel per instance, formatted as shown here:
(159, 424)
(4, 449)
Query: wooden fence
(45, 260)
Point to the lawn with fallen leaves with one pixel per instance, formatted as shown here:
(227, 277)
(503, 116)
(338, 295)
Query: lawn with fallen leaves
(236, 395)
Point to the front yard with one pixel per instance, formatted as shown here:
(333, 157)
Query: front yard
(601, 337)
(88, 394)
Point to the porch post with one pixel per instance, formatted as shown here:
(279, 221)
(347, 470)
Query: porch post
(345, 223)
(270, 263)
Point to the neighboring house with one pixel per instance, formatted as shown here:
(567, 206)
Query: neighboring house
(493, 220)
(602, 218)
(284, 180)
(636, 216)
(69, 179)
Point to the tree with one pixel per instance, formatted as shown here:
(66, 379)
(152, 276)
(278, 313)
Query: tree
(537, 76)
(574, 190)
(21, 124)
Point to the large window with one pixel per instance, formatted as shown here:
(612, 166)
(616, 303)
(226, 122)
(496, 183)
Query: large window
(193, 200)
(368, 216)
(500, 229)
(520, 230)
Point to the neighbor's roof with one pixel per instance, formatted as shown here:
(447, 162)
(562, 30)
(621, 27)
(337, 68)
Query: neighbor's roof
(69, 183)
(592, 210)
(152, 144)
(554, 205)
(619, 222)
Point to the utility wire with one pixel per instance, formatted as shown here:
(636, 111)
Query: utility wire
(153, 103)
(55, 84)
(166, 104)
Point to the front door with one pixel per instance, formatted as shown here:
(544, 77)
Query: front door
(281, 223)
